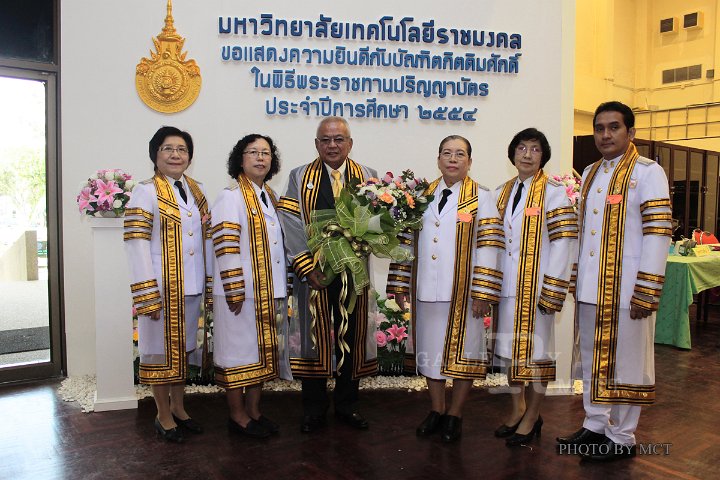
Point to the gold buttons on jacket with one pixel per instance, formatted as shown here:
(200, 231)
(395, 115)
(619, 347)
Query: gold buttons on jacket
(191, 252)
(607, 170)
(189, 214)
(437, 224)
(592, 232)
(509, 240)
(595, 211)
(435, 240)
(592, 253)
(190, 233)
(599, 190)
(434, 257)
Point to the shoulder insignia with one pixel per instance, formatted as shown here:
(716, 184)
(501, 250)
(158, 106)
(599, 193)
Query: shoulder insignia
(645, 161)
(553, 182)
(235, 186)
(483, 187)
(147, 182)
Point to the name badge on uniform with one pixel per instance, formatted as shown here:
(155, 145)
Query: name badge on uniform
(614, 199)
(532, 211)
(633, 183)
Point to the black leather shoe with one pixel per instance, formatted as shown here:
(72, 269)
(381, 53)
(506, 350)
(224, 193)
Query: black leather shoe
(188, 425)
(430, 425)
(607, 451)
(269, 424)
(172, 435)
(253, 429)
(582, 437)
(451, 429)
(518, 439)
(311, 423)
(354, 420)
(504, 431)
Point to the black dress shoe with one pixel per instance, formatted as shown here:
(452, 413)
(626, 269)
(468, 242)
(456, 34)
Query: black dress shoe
(451, 429)
(189, 425)
(430, 425)
(504, 431)
(269, 424)
(311, 423)
(582, 437)
(518, 439)
(172, 435)
(253, 429)
(607, 451)
(354, 419)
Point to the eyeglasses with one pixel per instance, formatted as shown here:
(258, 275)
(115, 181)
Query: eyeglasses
(447, 155)
(523, 148)
(169, 149)
(328, 140)
(256, 154)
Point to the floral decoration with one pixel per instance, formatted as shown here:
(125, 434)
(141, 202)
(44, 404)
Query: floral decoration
(367, 219)
(105, 192)
(572, 186)
(392, 322)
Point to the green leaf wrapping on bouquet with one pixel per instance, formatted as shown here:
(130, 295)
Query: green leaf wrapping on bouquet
(344, 237)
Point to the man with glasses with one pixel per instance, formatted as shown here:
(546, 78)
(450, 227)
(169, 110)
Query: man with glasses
(317, 314)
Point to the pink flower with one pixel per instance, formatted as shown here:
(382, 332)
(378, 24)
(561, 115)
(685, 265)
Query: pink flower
(84, 200)
(388, 178)
(381, 339)
(106, 191)
(411, 184)
(396, 333)
(379, 318)
(487, 321)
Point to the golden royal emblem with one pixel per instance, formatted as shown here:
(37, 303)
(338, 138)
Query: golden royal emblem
(166, 82)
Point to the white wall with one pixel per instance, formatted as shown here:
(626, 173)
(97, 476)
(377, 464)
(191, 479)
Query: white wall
(105, 124)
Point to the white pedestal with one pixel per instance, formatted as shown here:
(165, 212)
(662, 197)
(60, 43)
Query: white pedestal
(113, 318)
(564, 340)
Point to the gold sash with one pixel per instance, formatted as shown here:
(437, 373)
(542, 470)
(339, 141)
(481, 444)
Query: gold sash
(266, 368)
(455, 363)
(604, 386)
(526, 299)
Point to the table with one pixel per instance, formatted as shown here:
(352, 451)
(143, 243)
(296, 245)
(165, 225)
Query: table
(684, 276)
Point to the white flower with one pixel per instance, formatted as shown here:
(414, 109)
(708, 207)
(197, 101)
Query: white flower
(391, 304)
(129, 184)
(109, 175)
(117, 204)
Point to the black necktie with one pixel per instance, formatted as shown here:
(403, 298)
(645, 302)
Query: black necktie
(262, 197)
(445, 193)
(180, 188)
(516, 198)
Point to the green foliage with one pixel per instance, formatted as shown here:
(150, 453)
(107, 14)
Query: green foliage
(22, 179)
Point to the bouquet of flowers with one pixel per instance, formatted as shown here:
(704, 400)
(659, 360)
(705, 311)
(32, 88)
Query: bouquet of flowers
(368, 218)
(392, 322)
(572, 186)
(105, 191)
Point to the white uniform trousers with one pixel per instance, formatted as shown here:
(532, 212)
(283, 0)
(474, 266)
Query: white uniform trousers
(617, 422)
(151, 333)
(431, 324)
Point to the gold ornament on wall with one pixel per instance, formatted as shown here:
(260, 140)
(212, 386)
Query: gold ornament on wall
(166, 82)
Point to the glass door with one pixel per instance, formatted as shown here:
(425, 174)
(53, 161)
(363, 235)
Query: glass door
(30, 341)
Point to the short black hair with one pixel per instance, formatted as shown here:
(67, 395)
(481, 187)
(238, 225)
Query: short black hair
(527, 135)
(159, 138)
(615, 106)
(456, 137)
(235, 159)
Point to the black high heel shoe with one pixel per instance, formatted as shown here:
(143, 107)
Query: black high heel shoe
(171, 435)
(504, 431)
(523, 439)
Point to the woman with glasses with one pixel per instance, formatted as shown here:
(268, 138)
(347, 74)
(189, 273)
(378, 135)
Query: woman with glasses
(165, 230)
(540, 237)
(250, 286)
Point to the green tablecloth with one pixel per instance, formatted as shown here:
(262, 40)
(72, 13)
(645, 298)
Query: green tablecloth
(684, 276)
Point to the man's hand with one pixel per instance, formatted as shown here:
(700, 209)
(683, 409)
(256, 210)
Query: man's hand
(315, 279)
(480, 308)
(638, 313)
(235, 307)
(155, 315)
(401, 299)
